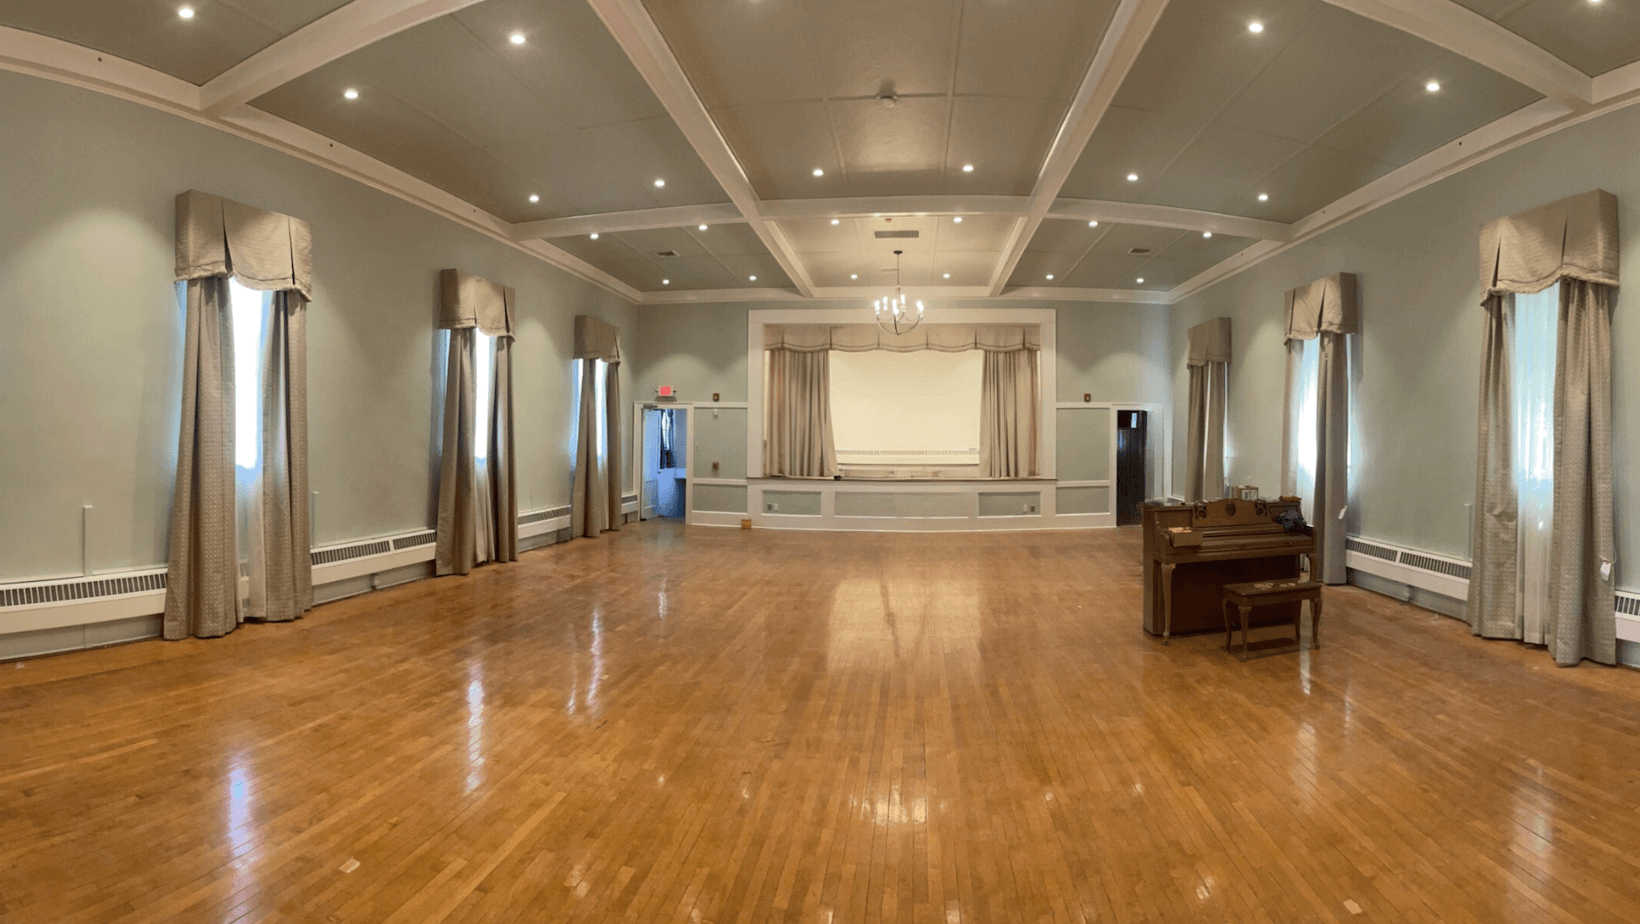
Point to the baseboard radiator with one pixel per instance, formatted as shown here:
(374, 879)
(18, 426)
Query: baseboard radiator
(67, 613)
(1448, 577)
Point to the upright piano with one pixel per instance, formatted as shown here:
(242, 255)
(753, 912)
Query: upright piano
(1193, 550)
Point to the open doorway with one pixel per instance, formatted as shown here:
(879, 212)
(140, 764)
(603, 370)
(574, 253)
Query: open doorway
(665, 466)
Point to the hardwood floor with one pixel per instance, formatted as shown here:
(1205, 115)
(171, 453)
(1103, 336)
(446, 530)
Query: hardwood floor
(671, 724)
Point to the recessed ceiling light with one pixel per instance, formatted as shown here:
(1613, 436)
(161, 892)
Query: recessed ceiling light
(594, 235)
(1434, 86)
(819, 172)
(1140, 280)
(752, 278)
(350, 93)
(659, 183)
(186, 12)
(948, 275)
(517, 38)
(703, 227)
(1255, 26)
(837, 221)
(967, 168)
(854, 275)
(666, 282)
(1093, 224)
(1264, 197)
(957, 220)
(1207, 234)
(534, 197)
(1133, 178)
(1050, 277)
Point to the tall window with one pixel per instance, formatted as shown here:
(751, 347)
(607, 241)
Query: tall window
(483, 361)
(1533, 385)
(249, 312)
(1306, 391)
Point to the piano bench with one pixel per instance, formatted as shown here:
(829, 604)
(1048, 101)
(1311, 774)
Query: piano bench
(1268, 593)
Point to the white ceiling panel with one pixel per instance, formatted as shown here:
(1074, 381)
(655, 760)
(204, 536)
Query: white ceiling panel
(572, 171)
(835, 269)
(151, 33)
(1311, 180)
(1122, 239)
(1058, 236)
(779, 145)
(1106, 271)
(820, 236)
(691, 273)
(1035, 50)
(867, 47)
(973, 233)
(654, 149)
(966, 268)
(727, 240)
(1221, 164)
(1337, 64)
(763, 266)
(891, 150)
(925, 226)
(1005, 139)
(740, 53)
(661, 240)
(1128, 141)
(1034, 268)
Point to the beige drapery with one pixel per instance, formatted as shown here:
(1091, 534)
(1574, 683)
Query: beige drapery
(1208, 359)
(477, 508)
(863, 338)
(1008, 415)
(1573, 241)
(798, 441)
(217, 238)
(1326, 309)
(595, 502)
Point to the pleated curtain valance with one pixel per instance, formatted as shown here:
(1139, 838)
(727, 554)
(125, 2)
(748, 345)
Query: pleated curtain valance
(1209, 342)
(595, 339)
(1327, 306)
(473, 301)
(264, 250)
(864, 338)
(1574, 238)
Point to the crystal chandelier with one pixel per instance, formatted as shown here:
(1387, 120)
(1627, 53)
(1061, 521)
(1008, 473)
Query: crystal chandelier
(893, 314)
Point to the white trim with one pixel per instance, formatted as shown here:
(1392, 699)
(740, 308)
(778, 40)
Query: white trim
(1127, 35)
(1466, 33)
(1106, 483)
(1164, 216)
(895, 206)
(675, 216)
(727, 518)
(1045, 318)
(334, 35)
(720, 482)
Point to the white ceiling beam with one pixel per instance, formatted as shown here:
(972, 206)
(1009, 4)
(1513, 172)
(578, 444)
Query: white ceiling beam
(675, 216)
(318, 43)
(1467, 33)
(1166, 216)
(1129, 30)
(641, 39)
(44, 56)
(897, 206)
(1074, 294)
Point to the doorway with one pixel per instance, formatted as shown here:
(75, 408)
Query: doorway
(665, 466)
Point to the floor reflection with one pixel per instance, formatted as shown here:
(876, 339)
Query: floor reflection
(475, 725)
(871, 621)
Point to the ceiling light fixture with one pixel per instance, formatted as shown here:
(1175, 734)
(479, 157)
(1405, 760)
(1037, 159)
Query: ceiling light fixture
(819, 172)
(1434, 86)
(837, 221)
(534, 197)
(957, 220)
(854, 275)
(1133, 178)
(1255, 27)
(666, 282)
(517, 38)
(967, 168)
(186, 12)
(350, 93)
(1093, 224)
(659, 183)
(594, 235)
(1050, 277)
(703, 227)
(1264, 197)
(893, 314)
(1141, 280)
(1207, 234)
(948, 275)
(752, 278)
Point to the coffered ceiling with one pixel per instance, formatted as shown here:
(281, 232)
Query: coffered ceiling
(676, 150)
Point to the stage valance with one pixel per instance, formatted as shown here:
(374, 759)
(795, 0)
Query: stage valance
(264, 250)
(1575, 237)
(473, 301)
(864, 338)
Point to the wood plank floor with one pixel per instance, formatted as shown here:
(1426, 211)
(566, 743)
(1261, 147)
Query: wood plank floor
(687, 725)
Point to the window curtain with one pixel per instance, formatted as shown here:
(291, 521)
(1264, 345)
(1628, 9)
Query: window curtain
(218, 238)
(1208, 360)
(797, 436)
(1573, 242)
(1326, 310)
(595, 502)
(477, 501)
(1008, 415)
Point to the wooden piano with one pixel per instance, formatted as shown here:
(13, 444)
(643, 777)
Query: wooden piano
(1193, 550)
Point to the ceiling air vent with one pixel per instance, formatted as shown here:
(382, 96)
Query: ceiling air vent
(666, 253)
(888, 234)
(1140, 251)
